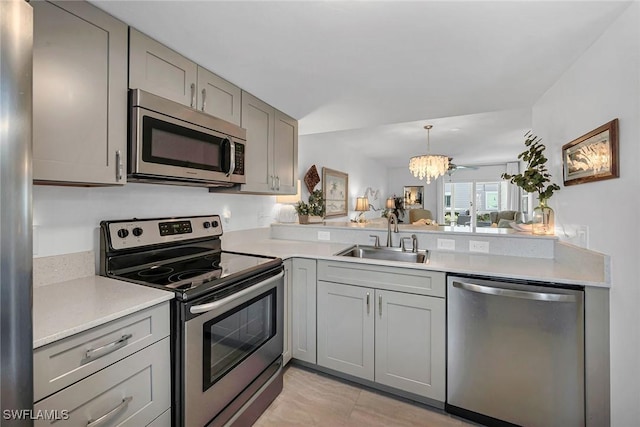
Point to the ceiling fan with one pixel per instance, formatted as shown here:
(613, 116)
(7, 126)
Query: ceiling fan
(453, 167)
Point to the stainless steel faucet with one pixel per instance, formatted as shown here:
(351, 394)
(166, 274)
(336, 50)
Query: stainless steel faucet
(392, 218)
(414, 243)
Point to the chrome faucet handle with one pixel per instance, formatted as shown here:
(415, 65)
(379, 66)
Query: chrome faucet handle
(414, 243)
(402, 245)
(377, 241)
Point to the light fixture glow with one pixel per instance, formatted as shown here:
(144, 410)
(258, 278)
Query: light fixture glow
(429, 166)
(362, 205)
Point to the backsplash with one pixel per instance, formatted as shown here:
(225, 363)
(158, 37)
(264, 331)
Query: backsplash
(66, 219)
(60, 268)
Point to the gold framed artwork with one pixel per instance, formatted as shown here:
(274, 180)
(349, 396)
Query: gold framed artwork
(593, 156)
(335, 190)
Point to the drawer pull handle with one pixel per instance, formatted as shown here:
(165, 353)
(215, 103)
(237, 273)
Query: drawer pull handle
(112, 413)
(97, 353)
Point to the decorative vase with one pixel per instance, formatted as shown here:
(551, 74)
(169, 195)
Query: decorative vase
(543, 219)
(303, 219)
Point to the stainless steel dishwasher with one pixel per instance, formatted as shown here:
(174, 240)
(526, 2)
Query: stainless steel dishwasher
(515, 353)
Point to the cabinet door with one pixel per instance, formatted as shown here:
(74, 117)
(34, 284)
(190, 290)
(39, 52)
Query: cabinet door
(157, 69)
(345, 329)
(303, 307)
(410, 343)
(79, 94)
(218, 97)
(287, 341)
(285, 153)
(258, 120)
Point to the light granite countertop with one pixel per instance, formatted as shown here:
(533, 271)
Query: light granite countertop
(497, 266)
(67, 308)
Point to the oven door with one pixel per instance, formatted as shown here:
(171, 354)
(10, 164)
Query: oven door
(166, 147)
(228, 344)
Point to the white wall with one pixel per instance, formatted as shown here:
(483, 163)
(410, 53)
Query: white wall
(66, 219)
(363, 171)
(602, 85)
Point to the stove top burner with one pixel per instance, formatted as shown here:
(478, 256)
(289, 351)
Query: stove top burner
(155, 271)
(177, 277)
(205, 271)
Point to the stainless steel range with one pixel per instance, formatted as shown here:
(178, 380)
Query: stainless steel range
(226, 318)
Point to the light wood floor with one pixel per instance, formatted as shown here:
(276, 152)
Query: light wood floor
(312, 399)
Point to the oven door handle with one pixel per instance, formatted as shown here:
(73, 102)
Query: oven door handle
(203, 308)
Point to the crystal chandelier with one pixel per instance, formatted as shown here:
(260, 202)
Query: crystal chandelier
(428, 165)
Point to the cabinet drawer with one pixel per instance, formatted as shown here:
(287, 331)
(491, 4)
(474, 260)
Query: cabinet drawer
(399, 279)
(163, 420)
(67, 361)
(132, 392)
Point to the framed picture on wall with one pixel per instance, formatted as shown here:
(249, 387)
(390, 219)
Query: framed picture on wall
(335, 190)
(413, 197)
(593, 156)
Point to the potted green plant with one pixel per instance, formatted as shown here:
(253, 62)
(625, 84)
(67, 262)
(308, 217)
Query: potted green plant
(536, 179)
(312, 211)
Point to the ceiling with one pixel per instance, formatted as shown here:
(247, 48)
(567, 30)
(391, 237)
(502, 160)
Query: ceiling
(477, 66)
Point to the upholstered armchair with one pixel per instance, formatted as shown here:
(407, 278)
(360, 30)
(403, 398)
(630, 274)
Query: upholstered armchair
(416, 214)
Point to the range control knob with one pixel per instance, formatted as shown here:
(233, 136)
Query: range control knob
(137, 231)
(206, 224)
(123, 232)
(215, 224)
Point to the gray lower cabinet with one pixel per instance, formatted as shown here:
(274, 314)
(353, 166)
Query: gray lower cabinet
(391, 332)
(272, 148)
(116, 374)
(79, 95)
(346, 322)
(132, 392)
(410, 343)
(155, 68)
(287, 338)
(303, 309)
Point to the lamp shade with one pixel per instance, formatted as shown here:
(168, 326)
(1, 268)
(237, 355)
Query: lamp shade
(391, 203)
(362, 204)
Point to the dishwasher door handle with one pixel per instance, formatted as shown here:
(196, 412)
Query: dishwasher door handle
(513, 293)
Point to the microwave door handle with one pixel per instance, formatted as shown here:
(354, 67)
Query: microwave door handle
(232, 157)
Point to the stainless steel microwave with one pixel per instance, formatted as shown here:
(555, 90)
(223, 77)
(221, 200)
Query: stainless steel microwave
(173, 144)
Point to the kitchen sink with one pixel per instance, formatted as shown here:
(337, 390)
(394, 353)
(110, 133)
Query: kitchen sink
(385, 253)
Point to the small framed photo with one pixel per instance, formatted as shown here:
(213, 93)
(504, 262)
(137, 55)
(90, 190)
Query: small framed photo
(335, 190)
(592, 157)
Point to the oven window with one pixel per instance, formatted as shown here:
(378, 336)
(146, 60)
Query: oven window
(234, 336)
(170, 144)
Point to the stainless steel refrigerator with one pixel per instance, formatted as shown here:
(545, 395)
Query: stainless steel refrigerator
(16, 343)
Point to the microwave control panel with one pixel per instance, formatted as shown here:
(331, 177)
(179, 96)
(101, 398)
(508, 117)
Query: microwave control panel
(239, 169)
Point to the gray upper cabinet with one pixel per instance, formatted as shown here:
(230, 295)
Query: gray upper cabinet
(79, 95)
(218, 97)
(258, 120)
(272, 148)
(155, 68)
(285, 156)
